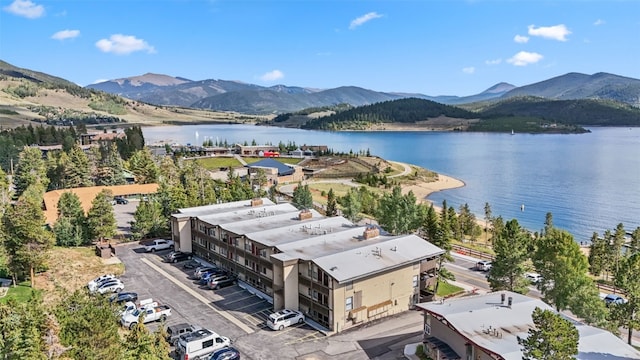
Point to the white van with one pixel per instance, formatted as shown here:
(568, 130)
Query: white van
(199, 344)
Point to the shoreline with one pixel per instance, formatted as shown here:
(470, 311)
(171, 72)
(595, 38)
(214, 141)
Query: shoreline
(422, 190)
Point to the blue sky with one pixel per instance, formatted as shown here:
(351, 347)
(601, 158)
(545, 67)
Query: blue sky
(448, 47)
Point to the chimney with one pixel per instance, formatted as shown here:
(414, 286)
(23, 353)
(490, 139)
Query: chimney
(502, 296)
(305, 214)
(510, 301)
(256, 202)
(370, 232)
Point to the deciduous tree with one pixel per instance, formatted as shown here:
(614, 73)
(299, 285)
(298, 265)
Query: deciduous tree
(351, 205)
(628, 278)
(398, 213)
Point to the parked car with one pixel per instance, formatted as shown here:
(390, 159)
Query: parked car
(226, 353)
(218, 282)
(157, 245)
(110, 287)
(199, 344)
(130, 306)
(93, 283)
(150, 314)
(177, 256)
(199, 271)
(533, 277)
(123, 297)
(192, 264)
(175, 331)
(614, 299)
(283, 318)
(204, 280)
(483, 265)
(120, 200)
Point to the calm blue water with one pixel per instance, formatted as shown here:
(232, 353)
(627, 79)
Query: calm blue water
(589, 182)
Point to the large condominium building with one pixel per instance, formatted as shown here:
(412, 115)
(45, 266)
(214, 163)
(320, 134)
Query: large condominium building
(339, 274)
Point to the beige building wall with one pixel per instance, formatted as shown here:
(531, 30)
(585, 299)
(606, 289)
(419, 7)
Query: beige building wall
(457, 342)
(181, 233)
(374, 297)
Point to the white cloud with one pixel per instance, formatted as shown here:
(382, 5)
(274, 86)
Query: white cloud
(25, 8)
(493, 61)
(65, 34)
(556, 32)
(272, 75)
(123, 45)
(469, 70)
(599, 22)
(363, 19)
(521, 39)
(524, 58)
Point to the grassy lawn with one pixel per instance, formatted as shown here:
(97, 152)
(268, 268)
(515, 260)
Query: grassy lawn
(21, 293)
(446, 289)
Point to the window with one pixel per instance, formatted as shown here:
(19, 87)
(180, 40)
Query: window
(263, 253)
(207, 344)
(415, 281)
(264, 270)
(212, 246)
(348, 306)
(350, 285)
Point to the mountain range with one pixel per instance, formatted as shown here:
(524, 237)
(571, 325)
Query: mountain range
(226, 95)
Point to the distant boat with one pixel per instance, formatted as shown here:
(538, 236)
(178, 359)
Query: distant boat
(512, 133)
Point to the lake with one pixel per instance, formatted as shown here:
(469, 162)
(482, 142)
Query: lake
(589, 182)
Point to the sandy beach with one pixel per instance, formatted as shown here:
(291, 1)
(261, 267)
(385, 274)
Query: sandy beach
(424, 189)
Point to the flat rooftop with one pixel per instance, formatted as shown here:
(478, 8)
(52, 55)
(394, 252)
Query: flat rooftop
(268, 218)
(247, 213)
(276, 237)
(221, 208)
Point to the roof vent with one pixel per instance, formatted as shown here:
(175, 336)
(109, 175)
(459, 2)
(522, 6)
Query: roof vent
(256, 202)
(305, 214)
(370, 232)
(509, 301)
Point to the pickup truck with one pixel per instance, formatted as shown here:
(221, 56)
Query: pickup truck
(160, 312)
(158, 244)
(130, 306)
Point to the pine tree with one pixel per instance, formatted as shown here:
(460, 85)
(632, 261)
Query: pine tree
(30, 170)
(332, 205)
(22, 328)
(26, 239)
(101, 220)
(148, 221)
(143, 167)
(77, 172)
(553, 338)
(511, 247)
(71, 227)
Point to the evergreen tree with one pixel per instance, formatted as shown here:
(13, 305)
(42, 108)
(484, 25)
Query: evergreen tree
(143, 167)
(30, 170)
(332, 204)
(141, 345)
(77, 172)
(109, 169)
(71, 227)
(22, 328)
(511, 247)
(26, 240)
(628, 278)
(5, 190)
(88, 327)
(487, 219)
(302, 198)
(148, 221)
(552, 338)
(598, 251)
(101, 220)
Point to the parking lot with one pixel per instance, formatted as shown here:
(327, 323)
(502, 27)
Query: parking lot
(230, 311)
(236, 313)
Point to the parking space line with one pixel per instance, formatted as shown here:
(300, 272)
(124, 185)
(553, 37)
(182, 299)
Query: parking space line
(246, 306)
(309, 337)
(231, 293)
(287, 329)
(202, 299)
(243, 298)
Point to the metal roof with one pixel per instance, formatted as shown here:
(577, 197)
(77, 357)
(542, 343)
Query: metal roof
(493, 325)
(240, 214)
(222, 207)
(267, 218)
(276, 237)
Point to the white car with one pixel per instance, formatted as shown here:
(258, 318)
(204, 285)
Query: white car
(533, 277)
(483, 265)
(284, 318)
(93, 284)
(111, 286)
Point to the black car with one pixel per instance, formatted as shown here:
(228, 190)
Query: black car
(123, 297)
(120, 200)
(177, 256)
(175, 331)
(193, 264)
(226, 353)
